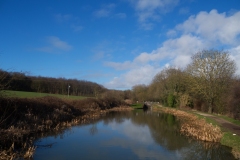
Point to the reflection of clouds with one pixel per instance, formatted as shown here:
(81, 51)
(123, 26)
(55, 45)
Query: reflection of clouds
(139, 140)
(142, 151)
(137, 133)
(124, 140)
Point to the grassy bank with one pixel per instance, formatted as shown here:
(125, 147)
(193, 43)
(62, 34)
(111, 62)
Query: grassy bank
(228, 139)
(24, 94)
(192, 126)
(21, 119)
(137, 106)
(233, 141)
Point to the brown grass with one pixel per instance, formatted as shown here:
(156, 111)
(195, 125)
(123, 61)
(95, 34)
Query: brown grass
(22, 119)
(194, 127)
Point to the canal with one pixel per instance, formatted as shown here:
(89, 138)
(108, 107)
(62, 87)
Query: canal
(128, 135)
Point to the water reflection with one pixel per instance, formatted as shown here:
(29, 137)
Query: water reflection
(129, 135)
(93, 130)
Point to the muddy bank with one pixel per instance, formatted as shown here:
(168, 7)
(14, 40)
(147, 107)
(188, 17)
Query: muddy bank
(192, 126)
(22, 120)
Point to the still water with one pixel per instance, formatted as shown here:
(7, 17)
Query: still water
(127, 135)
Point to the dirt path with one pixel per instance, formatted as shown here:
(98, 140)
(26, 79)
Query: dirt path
(223, 123)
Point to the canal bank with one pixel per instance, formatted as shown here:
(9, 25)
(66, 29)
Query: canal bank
(22, 120)
(206, 127)
(128, 135)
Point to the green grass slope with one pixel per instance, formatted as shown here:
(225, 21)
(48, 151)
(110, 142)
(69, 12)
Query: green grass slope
(23, 94)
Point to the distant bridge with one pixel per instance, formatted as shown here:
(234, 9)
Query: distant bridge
(147, 105)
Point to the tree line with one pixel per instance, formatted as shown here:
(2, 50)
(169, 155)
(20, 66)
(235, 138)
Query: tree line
(208, 84)
(21, 82)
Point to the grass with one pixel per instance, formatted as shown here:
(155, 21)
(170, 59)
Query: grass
(23, 94)
(229, 139)
(207, 119)
(234, 121)
(137, 105)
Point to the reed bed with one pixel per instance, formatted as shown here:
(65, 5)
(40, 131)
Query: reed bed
(192, 126)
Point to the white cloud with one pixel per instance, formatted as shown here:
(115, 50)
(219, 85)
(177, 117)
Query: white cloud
(213, 26)
(184, 10)
(58, 44)
(171, 33)
(55, 45)
(120, 66)
(141, 70)
(235, 54)
(138, 75)
(203, 31)
(184, 45)
(150, 10)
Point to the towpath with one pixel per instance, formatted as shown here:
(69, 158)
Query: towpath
(223, 123)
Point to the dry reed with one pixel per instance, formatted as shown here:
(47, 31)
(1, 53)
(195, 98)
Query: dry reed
(192, 126)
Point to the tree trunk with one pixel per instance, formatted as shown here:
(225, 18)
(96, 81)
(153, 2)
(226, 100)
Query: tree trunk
(210, 108)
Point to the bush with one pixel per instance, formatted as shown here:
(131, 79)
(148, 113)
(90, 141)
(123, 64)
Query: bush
(171, 100)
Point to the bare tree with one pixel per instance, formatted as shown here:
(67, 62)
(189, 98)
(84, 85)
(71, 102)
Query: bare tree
(139, 92)
(211, 71)
(5, 79)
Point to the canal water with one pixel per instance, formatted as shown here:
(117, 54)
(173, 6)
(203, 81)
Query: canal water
(128, 135)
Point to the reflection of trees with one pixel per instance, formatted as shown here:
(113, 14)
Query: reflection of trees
(117, 117)
(165, 131)
(163, 127)
(206, 150)
(93, 130)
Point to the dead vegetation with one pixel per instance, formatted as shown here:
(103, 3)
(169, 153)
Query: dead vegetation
(22, 119)
(192, 126)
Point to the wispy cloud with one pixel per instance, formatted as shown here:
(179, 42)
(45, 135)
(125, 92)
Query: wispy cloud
(73, 21)
(151, 10)
(184, 10)
(63, 17)
(55, 45)
(120, 66)
(202, 31)
(76, 28)
(102, 51)
(108, 11)
(121, 15)
(105, 11)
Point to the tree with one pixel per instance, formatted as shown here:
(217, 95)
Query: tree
(139, 92)
(168, 85)
(5, 79)
(210, 74)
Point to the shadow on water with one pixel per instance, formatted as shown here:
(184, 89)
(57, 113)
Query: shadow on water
(131, 135)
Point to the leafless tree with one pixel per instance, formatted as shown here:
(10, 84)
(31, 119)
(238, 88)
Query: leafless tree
(5, 79)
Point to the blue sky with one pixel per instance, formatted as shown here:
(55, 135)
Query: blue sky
(116, 43)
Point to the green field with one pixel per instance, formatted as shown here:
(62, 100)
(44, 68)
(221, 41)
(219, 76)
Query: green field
(23, 94)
